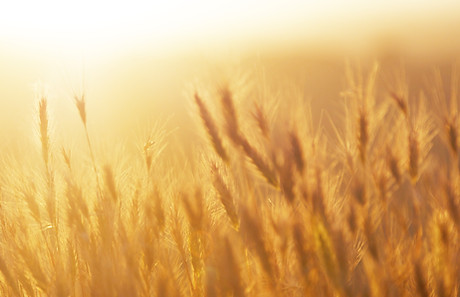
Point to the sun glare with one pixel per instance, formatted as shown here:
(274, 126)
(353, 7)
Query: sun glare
(98, 25)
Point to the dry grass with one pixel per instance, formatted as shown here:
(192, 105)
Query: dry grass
(266, 209)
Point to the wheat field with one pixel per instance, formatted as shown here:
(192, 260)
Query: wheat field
(263, 201)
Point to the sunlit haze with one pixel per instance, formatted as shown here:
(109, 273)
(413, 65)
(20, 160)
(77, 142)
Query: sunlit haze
(111, 26)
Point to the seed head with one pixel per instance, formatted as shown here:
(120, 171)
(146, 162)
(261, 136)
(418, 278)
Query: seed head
(211, 128)
(44, 137)
(413, 155)
(81, 106)
(363, 136)
(399, 100)
(452, 134)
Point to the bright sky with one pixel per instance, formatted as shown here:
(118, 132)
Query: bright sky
(91, 24)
